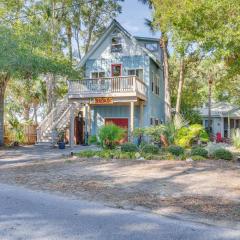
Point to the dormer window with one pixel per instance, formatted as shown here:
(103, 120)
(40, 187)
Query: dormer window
(116, 44)
(153, 47)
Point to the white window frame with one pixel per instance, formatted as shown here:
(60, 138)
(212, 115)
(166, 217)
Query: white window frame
(116, 44)
(155, 50)
(135, 69)
(98, 74)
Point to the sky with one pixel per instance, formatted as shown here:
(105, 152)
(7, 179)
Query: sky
(133, 17)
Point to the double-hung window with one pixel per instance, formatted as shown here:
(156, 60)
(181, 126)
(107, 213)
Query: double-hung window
(155, 83)
(116, 45)
(136, 72)
(98, 74)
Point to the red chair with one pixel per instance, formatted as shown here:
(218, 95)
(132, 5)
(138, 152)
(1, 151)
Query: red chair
(219, 137)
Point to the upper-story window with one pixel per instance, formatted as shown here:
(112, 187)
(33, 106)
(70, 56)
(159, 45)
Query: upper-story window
(153, 47)
(136, 72)
(116, 44)
(155, 83)
(98, 74)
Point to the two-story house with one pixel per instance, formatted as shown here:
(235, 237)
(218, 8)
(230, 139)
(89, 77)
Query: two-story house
(123, 84)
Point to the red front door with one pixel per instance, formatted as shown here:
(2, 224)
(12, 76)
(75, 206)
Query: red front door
(120, 122)
(116, 70)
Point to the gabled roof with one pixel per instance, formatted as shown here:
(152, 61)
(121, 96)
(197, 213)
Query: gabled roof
(221, 109)
(116, 24)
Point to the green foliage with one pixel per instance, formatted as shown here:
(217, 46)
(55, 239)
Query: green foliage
(236, 138)
(166, 133)
(198, 158)
(88, 153)
(138, 131)
(199, 151)
(150, 148)
(222, 154)
(176, 150)
(109, 135)
(212, 147)
(187, 135)
(93, 139)
(16, 129)
(155, 132)
(129, 147)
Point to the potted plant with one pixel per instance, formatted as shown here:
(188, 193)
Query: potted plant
(61, 139)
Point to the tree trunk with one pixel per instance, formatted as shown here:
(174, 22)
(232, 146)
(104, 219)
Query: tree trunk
(51, 79)
(209, 104)
(180, 86)
(1, 117)
(35, 108)
(164, 44)
(26, 112)
(78, 44)
(3, 83)
(51, 92)
(89, 39)
(69, 36)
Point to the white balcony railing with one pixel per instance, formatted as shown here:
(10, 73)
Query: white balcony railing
(113, 86)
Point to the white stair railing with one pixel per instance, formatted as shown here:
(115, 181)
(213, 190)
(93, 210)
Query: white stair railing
(49, 122)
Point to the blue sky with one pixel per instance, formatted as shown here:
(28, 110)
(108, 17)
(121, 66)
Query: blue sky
(133, 17)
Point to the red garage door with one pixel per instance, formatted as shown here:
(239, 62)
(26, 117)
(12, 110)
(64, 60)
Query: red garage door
(121, 122)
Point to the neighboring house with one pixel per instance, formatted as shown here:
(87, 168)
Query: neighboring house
(224, 118)
(123, 84)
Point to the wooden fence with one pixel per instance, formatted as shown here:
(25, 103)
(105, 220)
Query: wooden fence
(30, 134)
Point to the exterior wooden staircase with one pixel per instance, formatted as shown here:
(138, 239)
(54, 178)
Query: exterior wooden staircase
(57, 119)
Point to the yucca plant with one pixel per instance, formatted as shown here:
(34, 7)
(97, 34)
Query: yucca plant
(235, 135)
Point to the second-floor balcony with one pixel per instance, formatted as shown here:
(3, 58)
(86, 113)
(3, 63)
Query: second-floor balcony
(122, 86)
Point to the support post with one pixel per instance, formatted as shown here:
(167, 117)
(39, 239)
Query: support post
(229, 127)
(222, 127)
(141, 115)
(86, 133)
(89, 119)
(72, 126)
(131, 120)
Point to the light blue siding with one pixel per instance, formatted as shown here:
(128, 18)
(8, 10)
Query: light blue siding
(156, 102)
(128, 62)
(132, 57)
(99, 113)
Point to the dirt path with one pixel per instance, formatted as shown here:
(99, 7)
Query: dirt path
(207, 189)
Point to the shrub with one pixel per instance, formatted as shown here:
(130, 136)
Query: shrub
(127, 155)
(93, 139)
(187, 135)
(223, 154)
(236, 137)
(109, 135)
(88, 153)
(107, 154)
(129, 147)
(212, 147)
(198, 158)
(150, 148)
(149, 156)
(203, 136)
(199, 151)
(176, 150)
